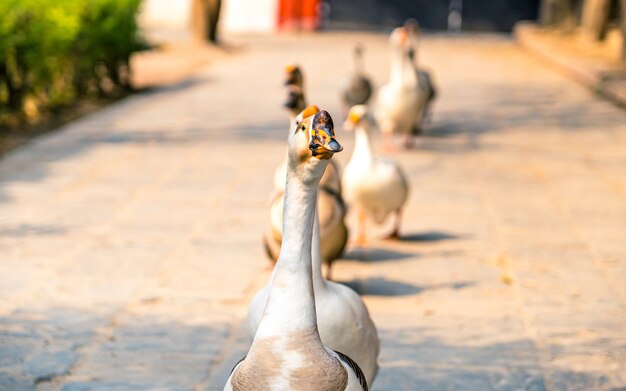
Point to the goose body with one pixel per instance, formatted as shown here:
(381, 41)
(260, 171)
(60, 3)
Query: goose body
(397, 108)
(287, 352)
(375, 186)
(425, 79)
(350, 379)
(356, 89)
(343, 320)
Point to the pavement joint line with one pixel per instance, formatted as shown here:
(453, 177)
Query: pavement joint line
(492, 217)
(215, 365)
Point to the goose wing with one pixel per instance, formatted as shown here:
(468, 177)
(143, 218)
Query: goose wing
(355, 367)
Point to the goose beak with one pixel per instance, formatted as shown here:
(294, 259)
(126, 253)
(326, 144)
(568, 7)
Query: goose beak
(323, 144)
(403, 35)
(353, 118)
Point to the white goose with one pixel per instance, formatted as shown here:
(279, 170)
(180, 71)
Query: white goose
(374, 186)
(343, 321)
(400, 102)
(287, 353)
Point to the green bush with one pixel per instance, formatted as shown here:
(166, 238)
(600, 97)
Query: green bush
(52, 52)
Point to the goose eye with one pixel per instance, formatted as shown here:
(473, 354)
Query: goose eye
(297, 128)
(303, 127)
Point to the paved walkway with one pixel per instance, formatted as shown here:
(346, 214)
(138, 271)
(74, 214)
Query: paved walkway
(130, 239)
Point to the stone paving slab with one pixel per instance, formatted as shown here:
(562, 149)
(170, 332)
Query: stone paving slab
(130, 239)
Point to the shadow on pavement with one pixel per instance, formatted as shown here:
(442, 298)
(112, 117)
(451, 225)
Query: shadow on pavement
(379, 286)
(32, 230)
(365, 254)
(429, 236)
(118, 124)
(137, 352)
(412, 359)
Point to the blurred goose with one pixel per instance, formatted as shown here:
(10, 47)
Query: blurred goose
(356, 89)
(343, 321)
(374, 186)
(287, 352)
(400, 102)
(423, 76)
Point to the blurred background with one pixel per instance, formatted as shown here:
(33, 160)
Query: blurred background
(88, 46)
(269, 16)
(138, 143)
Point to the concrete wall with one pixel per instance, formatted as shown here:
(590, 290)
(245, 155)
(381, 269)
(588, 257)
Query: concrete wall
(158, 16)
(165, 14)
(250, 15)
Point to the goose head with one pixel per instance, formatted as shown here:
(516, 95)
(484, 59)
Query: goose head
(359, 49)
(399, 37)
(293, 76)
(358, 116)
(413, 31)
(412, 27)
(312, 143)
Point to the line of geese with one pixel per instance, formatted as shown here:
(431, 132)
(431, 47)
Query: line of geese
(310, 333)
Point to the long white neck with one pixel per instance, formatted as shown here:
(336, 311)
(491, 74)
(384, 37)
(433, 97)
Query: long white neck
(415, 43)
(397, 67)
(363, 152)
(292, 119)
(319, 283)
(402, 71)
(291, 304)
(358, 62)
